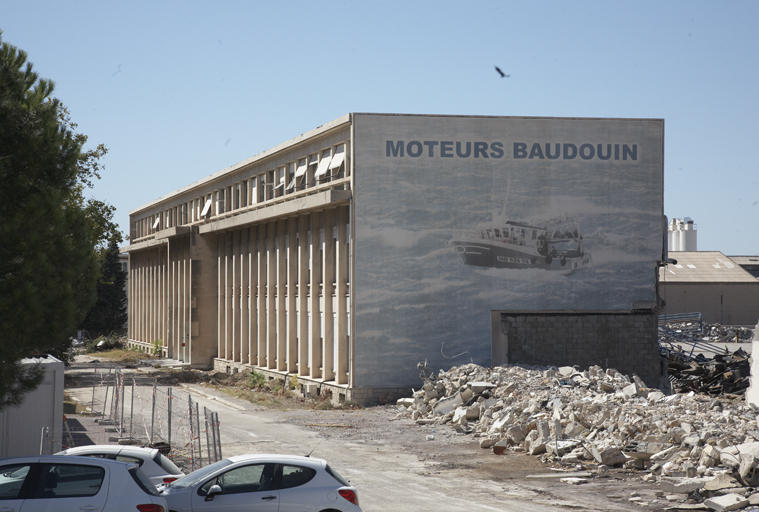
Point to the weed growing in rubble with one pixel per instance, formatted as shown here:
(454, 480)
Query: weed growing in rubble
(157, 348)
(256, 380)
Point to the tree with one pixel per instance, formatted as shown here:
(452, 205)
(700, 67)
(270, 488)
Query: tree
(109, 312)
(48, 264)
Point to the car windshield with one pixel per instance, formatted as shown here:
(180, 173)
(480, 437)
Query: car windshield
(199, 475)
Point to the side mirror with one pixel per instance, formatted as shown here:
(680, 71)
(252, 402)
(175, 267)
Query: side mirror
(213, 491)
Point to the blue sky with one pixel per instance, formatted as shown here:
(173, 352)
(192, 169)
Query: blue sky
(181, 90)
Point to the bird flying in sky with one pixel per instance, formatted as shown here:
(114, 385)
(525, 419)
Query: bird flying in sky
(503, 75)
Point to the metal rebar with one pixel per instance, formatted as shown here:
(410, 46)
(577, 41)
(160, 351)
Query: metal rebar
(152, 413)
(131, 412)
(218, 434)
(208, 445)
(197, 429)
(192, 433)
(169, 400)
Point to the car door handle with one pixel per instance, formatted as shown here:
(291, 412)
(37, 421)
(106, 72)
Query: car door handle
(89, 508)
(269, 498)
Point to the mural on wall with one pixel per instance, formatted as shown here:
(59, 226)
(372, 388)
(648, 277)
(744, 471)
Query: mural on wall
(460, 216)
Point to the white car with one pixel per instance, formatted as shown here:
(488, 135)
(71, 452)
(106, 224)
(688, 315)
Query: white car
(159, 468)
(47, 483)
(264, 483)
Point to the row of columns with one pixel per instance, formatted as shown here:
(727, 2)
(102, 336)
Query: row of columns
(283, 295)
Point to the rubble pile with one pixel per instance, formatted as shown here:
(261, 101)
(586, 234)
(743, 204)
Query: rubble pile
(592, 417)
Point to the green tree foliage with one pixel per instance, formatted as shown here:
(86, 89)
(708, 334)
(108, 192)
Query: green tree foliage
(109, 312)
(48, 264)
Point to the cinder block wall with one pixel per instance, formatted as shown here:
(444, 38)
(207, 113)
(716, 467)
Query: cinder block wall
(626, 342)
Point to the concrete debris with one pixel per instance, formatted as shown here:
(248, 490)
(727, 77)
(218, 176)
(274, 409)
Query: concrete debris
(686, 443)
(727, 502)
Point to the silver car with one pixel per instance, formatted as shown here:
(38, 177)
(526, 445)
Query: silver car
(47, 483)
(159, 468)
(265, 483)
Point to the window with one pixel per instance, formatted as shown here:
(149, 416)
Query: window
(293, 476)
(69, 480)
(11, 480)
(206, 208)
(323, 167)
(337, 162)
(298, 178)
(251, 478)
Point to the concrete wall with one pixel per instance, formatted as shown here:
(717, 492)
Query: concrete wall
(723, 303)
(626, 342)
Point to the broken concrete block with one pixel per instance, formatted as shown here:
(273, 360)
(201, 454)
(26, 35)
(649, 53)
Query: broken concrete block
(459, 416)
(473, 413)
(726, 502)
(466, 395)
(488, 442)
(720, 482)
(405, 402)
(561, 447)
(709, 456)
(664, 454)
(670, 484)
(631, 391)
(445, 405)
(515, 434)
(612, 456)
(480, 387)
(574, 480)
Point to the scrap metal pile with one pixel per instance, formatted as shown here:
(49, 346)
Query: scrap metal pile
(591, 418)
(698, 362)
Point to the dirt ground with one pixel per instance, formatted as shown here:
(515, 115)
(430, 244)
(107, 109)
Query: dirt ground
(394, 463)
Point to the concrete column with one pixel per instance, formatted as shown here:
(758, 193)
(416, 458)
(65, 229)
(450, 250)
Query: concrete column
(262, 257)
(328, 361)
(253, 302)
(303, 255)
(170, 291)
(235, 313)
(202, 297)
(316, 342)
(281, 293)
(292, 277)
(220, 248)
(271, 295)
(228, 296)
(341, 278)
(244, 291)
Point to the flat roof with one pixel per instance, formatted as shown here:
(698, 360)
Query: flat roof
(703, 267)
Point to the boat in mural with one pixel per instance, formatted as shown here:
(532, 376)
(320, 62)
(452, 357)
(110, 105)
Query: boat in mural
(555, 244)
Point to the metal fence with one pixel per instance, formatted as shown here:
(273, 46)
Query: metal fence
(125, 410)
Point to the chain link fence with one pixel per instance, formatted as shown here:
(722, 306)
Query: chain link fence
(133, 410)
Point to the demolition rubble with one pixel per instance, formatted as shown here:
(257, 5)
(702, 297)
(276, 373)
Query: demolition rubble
(691, 443)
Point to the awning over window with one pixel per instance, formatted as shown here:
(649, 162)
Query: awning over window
(337, 161)
(323, 166)
(301, 170)
(206, 209)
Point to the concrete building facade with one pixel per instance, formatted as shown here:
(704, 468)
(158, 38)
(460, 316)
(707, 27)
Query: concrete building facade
(349, 254)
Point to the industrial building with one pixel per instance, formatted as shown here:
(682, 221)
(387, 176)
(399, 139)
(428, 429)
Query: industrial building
(349, 254)
(710, 283)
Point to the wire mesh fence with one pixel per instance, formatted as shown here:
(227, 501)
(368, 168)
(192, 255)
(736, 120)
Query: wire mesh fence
(132, 410)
